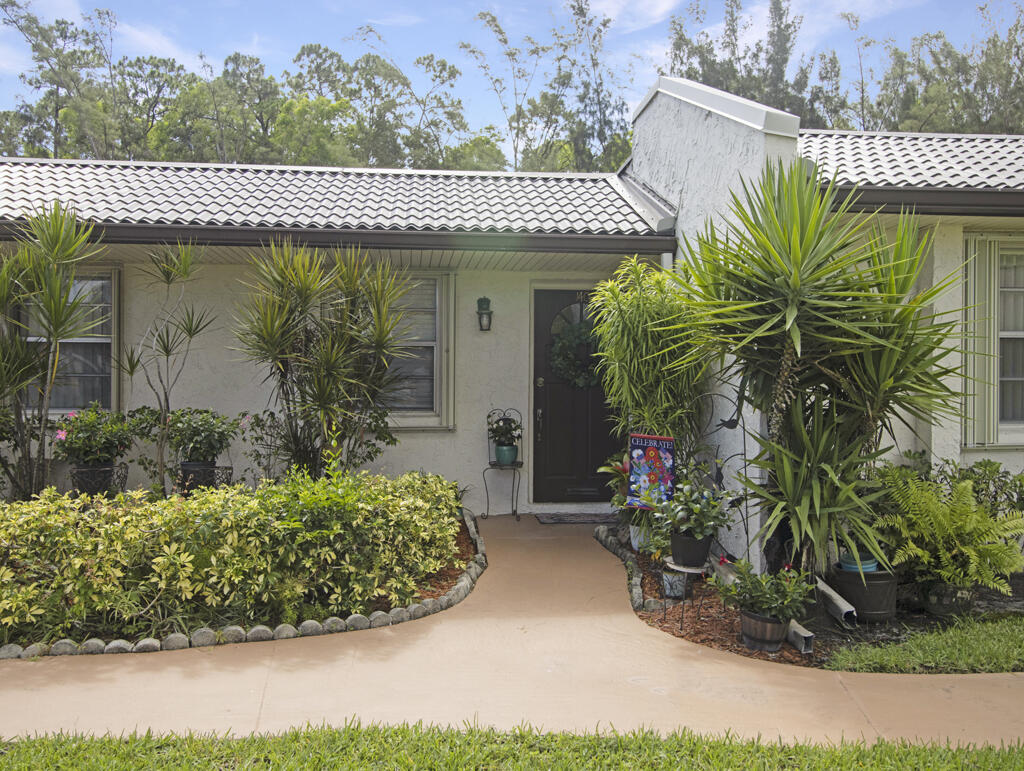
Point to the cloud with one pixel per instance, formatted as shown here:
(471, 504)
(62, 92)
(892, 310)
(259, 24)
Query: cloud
(57, 9)
(397, 20)
(633, 15)
(13, 59)
(147, 40)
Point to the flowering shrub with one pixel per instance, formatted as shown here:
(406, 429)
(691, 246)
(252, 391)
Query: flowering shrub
(132, 566)
(783, 595)
(92, 436)
(504, 431)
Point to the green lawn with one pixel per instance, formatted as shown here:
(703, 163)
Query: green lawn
(416, 747)
(969, 645)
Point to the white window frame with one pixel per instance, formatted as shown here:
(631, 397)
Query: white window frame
(442, 417)
(112, 272)
(982, 336)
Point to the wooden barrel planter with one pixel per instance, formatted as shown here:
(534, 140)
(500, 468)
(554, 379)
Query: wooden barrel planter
(762, 633)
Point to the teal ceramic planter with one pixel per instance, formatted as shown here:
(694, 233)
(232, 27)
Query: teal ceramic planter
(506, 454)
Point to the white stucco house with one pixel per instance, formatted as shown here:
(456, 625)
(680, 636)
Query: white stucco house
(534, 244)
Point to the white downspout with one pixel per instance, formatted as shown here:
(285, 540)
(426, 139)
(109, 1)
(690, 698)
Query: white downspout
(668, 260)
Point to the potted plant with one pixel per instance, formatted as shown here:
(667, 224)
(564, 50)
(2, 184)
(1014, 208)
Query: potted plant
(93, 441)
(767, 602)
(947, 542)
(198, 436)
(695, 515)
(505, 431)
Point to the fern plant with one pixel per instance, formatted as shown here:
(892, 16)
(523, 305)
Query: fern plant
(944, 534)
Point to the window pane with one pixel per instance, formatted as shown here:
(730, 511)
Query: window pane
(1011, 400)
(83, 376)
(422, 295)
(418, 325)
(416, 388)
(1011, 268)
(1011, 358)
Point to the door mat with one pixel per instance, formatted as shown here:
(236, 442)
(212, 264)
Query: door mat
(578, 519)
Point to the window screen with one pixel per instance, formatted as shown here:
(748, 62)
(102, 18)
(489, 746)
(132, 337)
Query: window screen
(1011, 334)
(419, 332)
(84, 364)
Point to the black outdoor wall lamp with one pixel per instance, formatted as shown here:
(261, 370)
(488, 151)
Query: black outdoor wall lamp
(484, 313)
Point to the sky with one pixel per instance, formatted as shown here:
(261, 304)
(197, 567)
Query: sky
(275, 31)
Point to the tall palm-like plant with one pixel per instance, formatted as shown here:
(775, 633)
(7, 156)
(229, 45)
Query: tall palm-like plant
(39, 308)
(632, 314)
(816, 311)
(161, 354)
(326, 327)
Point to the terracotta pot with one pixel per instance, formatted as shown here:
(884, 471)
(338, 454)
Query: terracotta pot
(690, 552)
(762, 633)
(874, 598)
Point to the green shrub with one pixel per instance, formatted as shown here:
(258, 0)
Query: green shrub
(129, 566)
(946, 535)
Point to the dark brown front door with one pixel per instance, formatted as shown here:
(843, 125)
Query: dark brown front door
(570, 420)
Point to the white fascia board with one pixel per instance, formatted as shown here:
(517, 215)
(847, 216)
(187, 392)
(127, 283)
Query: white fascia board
(753, 114)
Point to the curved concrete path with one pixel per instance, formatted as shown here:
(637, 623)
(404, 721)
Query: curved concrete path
(547, 638)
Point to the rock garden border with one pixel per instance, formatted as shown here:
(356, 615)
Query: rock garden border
(229, 635)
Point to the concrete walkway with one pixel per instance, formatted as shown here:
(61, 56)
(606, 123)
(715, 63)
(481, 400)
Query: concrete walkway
(547, 638)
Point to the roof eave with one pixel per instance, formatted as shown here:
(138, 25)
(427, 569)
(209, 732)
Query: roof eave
(948, 200)
(578, 243)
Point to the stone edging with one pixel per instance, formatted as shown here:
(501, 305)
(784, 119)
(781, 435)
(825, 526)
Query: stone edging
(607, 537)
(205, 636)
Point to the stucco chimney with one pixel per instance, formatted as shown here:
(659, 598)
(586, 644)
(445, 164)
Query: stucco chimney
(693, 144)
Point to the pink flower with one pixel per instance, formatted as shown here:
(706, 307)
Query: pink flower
(61, 435)
(722, 560)
(72, 414)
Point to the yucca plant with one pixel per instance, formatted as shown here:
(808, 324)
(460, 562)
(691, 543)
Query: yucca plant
(944, 534)
(815, 311)
(325, 324)
(38, 300)
(635, 314)
(816, 485)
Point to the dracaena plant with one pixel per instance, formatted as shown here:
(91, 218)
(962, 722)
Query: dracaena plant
(325, 326)
(161, 354)
(39, 308)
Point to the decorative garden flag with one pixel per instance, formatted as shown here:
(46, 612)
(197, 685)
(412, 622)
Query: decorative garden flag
(652, 466)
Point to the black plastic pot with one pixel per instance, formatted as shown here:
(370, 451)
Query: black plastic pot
(196, 475)
(690, 552)
(762, 633)
(874, 598)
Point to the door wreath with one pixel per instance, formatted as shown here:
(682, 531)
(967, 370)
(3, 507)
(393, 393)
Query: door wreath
(572, 357)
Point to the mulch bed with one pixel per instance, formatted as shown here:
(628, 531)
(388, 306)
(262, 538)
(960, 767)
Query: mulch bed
(708, 623)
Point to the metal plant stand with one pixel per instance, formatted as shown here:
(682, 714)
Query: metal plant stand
(686, 573)
(494, 464)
